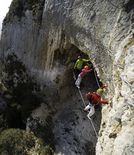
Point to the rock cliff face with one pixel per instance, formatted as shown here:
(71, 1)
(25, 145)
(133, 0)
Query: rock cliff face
(46, 34)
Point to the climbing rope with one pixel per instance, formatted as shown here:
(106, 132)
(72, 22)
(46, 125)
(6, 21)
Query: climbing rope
(93, 127)
(88, 117)
(85, 106)
(96, 78)
(82, 97)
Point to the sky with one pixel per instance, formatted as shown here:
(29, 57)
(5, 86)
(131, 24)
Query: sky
(4, 6)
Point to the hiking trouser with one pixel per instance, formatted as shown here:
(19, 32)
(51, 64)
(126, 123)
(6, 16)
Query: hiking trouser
(78, 81)
(90, 108)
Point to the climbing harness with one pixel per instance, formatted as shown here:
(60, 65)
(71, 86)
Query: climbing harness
(85, 106)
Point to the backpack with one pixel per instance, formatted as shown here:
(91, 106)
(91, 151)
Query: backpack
(93, 98)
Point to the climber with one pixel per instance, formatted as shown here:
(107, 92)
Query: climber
(94, 98)
(83, 72)
(79, 65)
(101, 90)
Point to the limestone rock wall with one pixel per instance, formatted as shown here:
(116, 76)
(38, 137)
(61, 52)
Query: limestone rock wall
(102, 29)
(116, 134)
(91, 26)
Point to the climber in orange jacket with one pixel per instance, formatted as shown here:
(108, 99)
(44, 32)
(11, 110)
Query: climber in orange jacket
(83, 72)
(94, 98)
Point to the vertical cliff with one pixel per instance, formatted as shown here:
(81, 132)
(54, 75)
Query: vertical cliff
(46, 34)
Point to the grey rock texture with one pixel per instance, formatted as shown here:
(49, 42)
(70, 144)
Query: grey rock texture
(116, 134)
(103, 29)
(3, 105)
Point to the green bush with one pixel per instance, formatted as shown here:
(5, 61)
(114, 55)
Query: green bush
(19, 142)
(16, 9)
(47, 150)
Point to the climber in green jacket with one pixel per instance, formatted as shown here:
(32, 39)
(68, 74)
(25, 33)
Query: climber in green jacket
(80, 63)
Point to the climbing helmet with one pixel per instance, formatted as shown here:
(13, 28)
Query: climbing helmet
(86, 67)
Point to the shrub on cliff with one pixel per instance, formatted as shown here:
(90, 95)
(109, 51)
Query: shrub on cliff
(18, 8)
(24, 92)
(19, 142)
